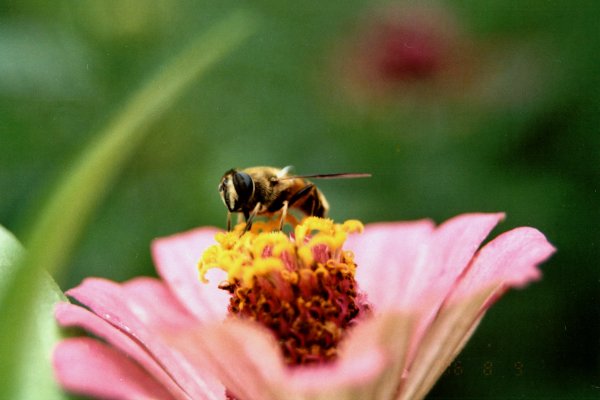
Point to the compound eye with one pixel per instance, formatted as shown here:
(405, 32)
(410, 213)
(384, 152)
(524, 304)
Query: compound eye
(244, 186)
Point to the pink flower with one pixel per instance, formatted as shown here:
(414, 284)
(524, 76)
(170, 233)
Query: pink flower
(406, 50)
(422, 292)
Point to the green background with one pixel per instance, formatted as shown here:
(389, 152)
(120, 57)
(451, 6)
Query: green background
(508, 120)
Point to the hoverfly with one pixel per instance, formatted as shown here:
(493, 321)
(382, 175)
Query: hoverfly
(266, 190)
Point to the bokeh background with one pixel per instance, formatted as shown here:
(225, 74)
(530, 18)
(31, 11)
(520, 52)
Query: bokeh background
(453, 106)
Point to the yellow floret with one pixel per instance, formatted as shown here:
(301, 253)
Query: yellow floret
(260, 267)
(353, 226)
(244, 255)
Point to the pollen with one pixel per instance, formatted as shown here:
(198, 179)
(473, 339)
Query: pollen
(300, 286)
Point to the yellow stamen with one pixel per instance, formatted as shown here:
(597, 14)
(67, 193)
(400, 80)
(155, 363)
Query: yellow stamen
(353, 226)
(259, 251)
(262, 266)
(305, 254)
(313, 224)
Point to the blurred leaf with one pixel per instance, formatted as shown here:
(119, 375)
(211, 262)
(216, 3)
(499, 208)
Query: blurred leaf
(34, 379)
(62, 220)
(10, 252)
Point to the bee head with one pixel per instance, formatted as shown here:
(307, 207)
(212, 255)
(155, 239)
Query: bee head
(236, 190)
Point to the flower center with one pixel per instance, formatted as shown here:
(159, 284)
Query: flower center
(301, 286)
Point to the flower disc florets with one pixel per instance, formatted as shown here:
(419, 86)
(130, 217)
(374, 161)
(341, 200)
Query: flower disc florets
(300, 286)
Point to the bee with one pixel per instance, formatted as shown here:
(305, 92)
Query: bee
(267, 190)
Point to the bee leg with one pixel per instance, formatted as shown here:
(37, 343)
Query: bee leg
(228, 221)
(304, 192)
(250, 217)
(283, 214)
(241, 218)
(246, 219)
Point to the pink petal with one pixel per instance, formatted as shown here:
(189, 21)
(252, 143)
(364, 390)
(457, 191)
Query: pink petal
(387, 334)
(146, 311)
(86, 366)
(244, 356)
(351, 379)
(448, 253)
(509, 260)
(399, 264)
(69, 315)
(248, 361)
(417, 267)
(439, 346)
(450, 250)
(384, 254)
(176, 258)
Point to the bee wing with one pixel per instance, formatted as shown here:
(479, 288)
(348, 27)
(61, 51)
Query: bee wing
(284, 171)
(343, 175)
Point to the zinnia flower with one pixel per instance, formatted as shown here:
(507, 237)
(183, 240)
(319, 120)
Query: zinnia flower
(323, 313)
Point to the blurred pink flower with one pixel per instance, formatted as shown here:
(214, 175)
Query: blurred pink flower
(404, 51)
(425, 54)
(427, 287)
